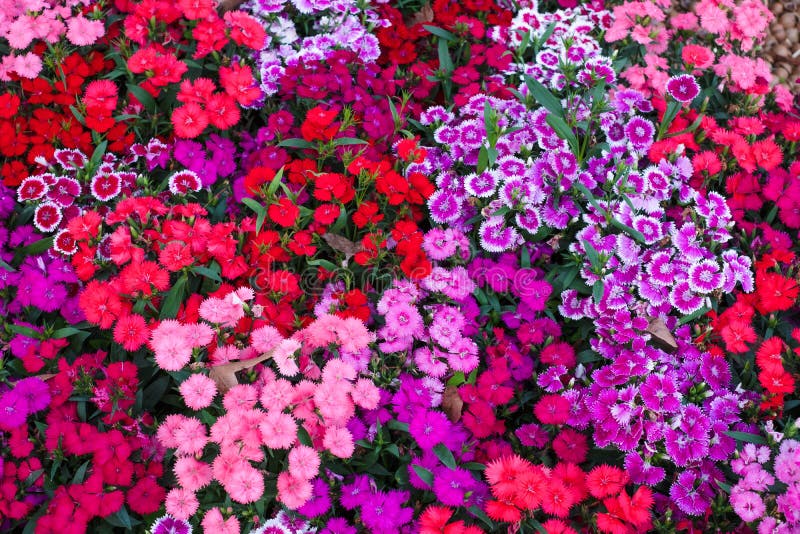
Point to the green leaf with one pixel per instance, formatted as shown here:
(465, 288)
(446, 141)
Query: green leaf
(669, 115)
(592, 254)
(327, 265)
(276, 181)
(342, 141)
(445, 62)
(424, 474)
(569, 277)
(562, 130)
(171, 305)
(393, 109)
(597, 291)
(24, 330)
(97, 155)
(589, 196)
(546, 35)
(474, 466)
(154, 392)
(544, 96)
(5, 266)
(145, 98)
(457, 379)
(80, 474)
(303, 437)
(32, 476)
(208, 273)
(480, 514)
(524, 43)
(296, 143)
(441, 33)
(77, 114)
(121, 519)
(692, 316)
(397, 425)
(483, 159)
(67, 331)
(261, 212)
(746, 437)
(588, 356)
(37, 248)
(445, 455)
(633, 232)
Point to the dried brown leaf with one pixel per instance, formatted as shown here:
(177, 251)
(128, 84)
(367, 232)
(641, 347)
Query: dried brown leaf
(342, 244)
(452, 403)
(423, 16)
(229, 5)
(661, 336)
(225, 375)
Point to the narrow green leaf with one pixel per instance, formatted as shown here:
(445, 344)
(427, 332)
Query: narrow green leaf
(77, 114)
(692, 316)
(397, 425)
(546, 35)
(67, 331)
(327, 265)
(597, 291)
(154, 392)
(445, 62)
(296, 143)
(261, 212)
(480, 514)
(5, 266)
(592, 254)
(589, 196)
(121, 519)
(445, 455)
(303, 437)
(457, 379)
(474, 466)
(562, 130)
(80, 473)
(424, 474)
(276, 181)
(24, 330)
(172, 303)
(746, 437)
(37, 247)
(439, 32)
(208, 273)
(97, 155)
(343, 141)
(633, 232)
(145, 98)
(483, 159)
(544, 96)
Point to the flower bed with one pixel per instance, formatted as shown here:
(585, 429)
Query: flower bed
(338, 267)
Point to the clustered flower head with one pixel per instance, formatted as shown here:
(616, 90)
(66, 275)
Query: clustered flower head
(266, 414)
(331, 266)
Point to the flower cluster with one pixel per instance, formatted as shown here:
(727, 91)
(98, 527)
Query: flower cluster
(335, 26)
(29, 26)
(339, 266)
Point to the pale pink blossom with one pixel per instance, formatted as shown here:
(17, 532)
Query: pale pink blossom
(304, 462)
(192, 474)
(293, 491)
(181, 503)
(214, 523)
(198, 391)
(83, 32)
(339, 441)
